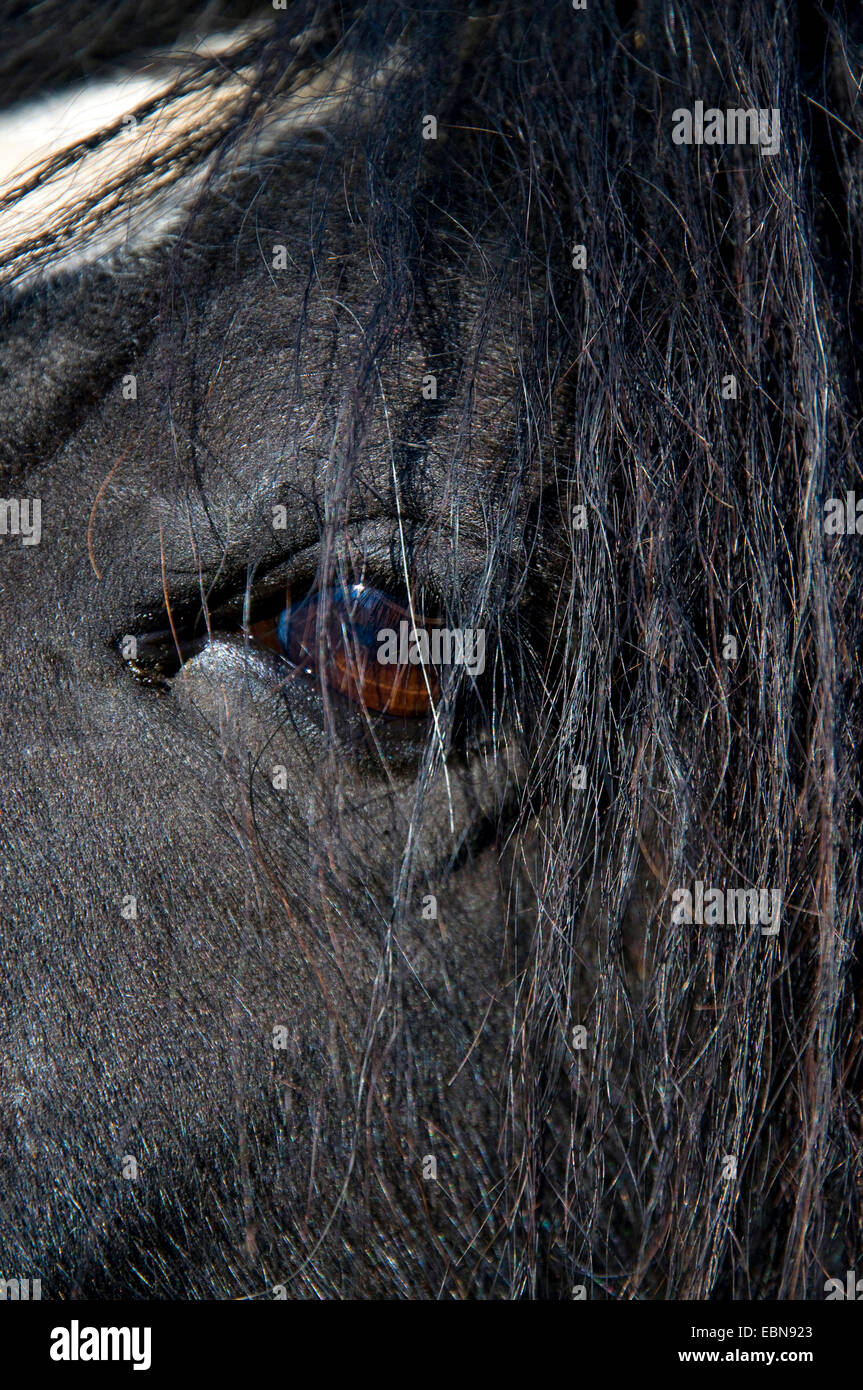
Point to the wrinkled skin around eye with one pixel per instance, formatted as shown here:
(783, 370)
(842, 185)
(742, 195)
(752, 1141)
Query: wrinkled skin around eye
(201, 883)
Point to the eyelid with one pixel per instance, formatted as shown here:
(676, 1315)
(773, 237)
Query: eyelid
(236, 595)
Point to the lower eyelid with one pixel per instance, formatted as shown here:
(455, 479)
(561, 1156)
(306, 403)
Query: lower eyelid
(231, 677)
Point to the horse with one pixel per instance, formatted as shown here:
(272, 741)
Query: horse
(339, 964)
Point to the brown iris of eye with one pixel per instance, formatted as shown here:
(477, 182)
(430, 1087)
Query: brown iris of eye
(362, 644)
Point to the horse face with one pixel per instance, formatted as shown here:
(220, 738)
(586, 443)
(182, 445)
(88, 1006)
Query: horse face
(230, 883)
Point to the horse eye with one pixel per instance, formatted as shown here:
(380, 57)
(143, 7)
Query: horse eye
(361, 642)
